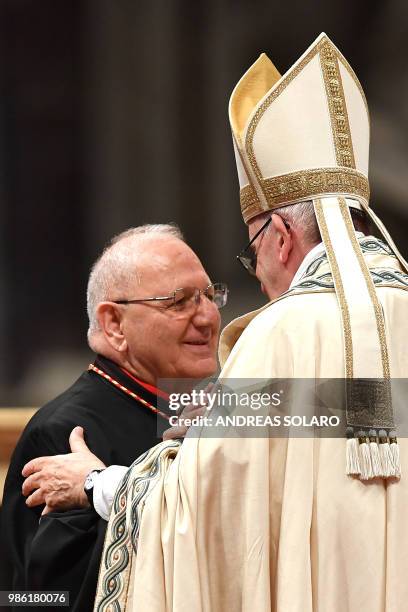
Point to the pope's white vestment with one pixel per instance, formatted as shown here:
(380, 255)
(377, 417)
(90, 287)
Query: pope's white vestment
(262, 524)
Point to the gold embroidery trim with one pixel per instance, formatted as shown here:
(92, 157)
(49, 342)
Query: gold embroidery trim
(355, 79)
(345, 313)
(343, 124)
(250, 191)
(265, 105)
(370, 288)
(250, 204)
(303, 185)
(337, 106)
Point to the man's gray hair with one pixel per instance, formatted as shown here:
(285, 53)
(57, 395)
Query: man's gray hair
(302, 216)
(116, 268)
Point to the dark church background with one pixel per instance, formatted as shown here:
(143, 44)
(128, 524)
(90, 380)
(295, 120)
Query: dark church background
(114, 114)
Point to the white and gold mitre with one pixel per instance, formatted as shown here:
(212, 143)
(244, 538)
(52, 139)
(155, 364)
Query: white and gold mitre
(301, 135)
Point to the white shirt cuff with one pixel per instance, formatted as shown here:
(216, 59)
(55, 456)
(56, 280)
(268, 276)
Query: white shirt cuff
(105, 485)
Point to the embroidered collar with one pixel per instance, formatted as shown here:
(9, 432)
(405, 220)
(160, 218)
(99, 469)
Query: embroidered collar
(315, 253)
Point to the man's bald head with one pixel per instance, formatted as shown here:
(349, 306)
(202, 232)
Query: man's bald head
(117, 268)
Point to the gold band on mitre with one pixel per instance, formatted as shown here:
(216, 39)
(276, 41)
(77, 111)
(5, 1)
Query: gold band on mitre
(302, 185)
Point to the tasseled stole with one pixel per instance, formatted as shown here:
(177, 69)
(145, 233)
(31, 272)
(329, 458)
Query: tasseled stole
(372, 454)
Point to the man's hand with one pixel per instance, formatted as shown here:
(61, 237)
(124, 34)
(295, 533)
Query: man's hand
(190, 412)
(58, 481)
(180, 430)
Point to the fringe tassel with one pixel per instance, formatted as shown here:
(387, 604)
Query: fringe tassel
(387, 460)
(375, 454)
(372, 454)
(352, 460)
(395, 455)
(365, 457)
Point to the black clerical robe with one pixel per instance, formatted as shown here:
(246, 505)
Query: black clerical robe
(63, 550)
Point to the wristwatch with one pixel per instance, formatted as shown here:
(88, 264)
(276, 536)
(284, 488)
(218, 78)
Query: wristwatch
(89, 485)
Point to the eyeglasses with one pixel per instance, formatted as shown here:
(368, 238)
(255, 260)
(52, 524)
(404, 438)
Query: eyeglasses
(187, 298)
(247, 256)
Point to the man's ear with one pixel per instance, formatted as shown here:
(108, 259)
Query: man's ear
(284, 238)
(110, 319)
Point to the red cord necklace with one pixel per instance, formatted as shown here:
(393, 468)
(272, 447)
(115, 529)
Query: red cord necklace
(126, 390)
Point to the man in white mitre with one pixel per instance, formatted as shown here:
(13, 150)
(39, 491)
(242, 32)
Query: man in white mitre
(220, 524)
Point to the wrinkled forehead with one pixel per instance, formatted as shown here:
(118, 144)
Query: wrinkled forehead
(165, 264)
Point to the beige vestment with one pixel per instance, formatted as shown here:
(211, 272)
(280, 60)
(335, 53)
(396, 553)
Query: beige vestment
(254, 525)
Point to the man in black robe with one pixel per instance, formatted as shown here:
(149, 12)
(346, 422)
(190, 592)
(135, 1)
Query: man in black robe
(148, 320)
(63, 552)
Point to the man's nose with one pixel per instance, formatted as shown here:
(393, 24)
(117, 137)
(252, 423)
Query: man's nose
(206, 312)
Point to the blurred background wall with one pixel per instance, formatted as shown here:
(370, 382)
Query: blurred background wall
(114, 113)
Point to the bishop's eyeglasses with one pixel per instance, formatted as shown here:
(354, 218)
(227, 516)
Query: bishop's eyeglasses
(247, 256)
(186, 299)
